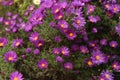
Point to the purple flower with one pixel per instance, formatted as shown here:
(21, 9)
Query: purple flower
(1, 19)
(116, 65)
(28, 50)
(118, 29)
(90, 9)
(46, 5)
(36, 51)
(113, 44)
(75, 47)
(68, 65)
(39, 43)
(10, 56)
(65, 51)
(79, 22)
(17, 42)
(106, 75)
(84, 49)
(56, 8)
(56, 51)
(63, 24)
(3, 42)
(94, 30)
(115, 8)
(59, 15)
(89, 62)
(34, 36)
(97, 57)
(70, 34)
(94, 19)
(59, 59)
(57, 39)
(16, 76)
(103, 42)
(43, 64)
(28, 27)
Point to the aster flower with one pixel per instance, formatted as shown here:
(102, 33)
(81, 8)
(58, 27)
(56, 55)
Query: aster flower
(57, 39)
(78, 12)
(59, 59)
(97, 57)
(94, 30)
(1, 19)
(115, 8)
(94, 19)
(39, 43)
(116, 65)
(3, 42)
(84, 49)
(89, 62)
(75, 47)
(59, 15)
(90, 9)
(77, 3)
(106, 75)
(17, 42)
(118, 29)
(46, 5)
(56, 8)
(36, 51)
(28, 50)
(63, 24)
(16, 76)
(113, 44)
(65, 51)
(70, 34)
(56, 51)
(68, 65)
(34, 36)
(10, 56)
(28, 27)
(78, 22)
(43, 64)
(103, 42)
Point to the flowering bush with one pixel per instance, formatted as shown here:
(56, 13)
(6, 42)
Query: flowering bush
(59, 39)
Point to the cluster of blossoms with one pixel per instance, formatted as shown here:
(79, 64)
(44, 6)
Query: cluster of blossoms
(71, 20)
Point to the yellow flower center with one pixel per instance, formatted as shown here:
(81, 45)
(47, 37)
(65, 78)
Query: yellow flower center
(62, 25)
(67, 67)
(93, 45)
(10, 58)
(89, 63)
(91, 9)
(97, 57)
(114, 65)
(1, 44)
(57, 10)
(17, 44)
(40, 44)
(59, 17)
(40, 18)
(71, 34)
(63, 52)
(43, 65)
(115, 9)
(15, 78)
(35, 38)
(113, 45)
(83, 50)
(107, 75)
(78, 22)
(6, 23)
